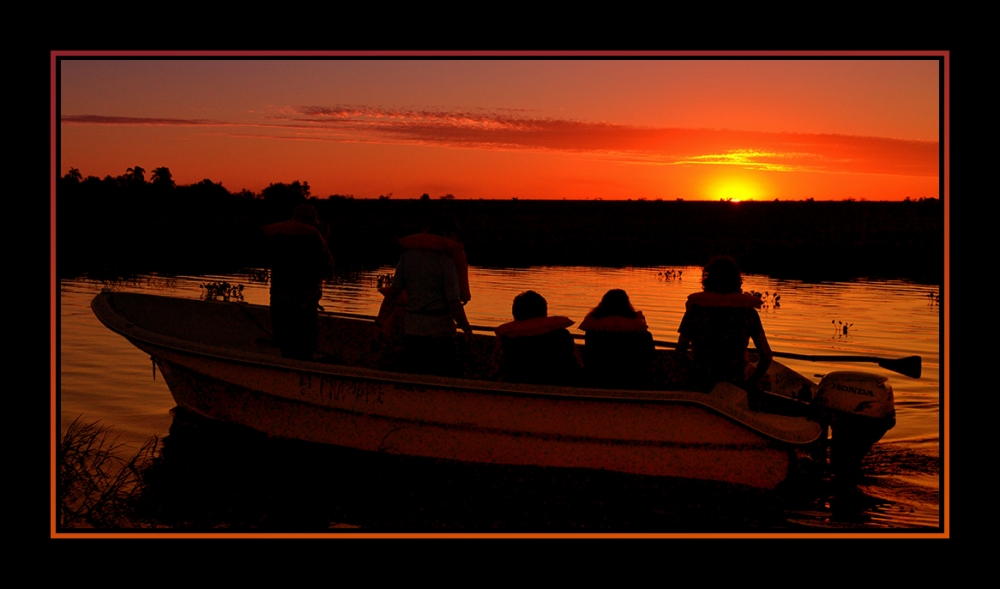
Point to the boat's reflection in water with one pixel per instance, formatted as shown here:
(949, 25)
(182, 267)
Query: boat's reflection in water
(214, 476)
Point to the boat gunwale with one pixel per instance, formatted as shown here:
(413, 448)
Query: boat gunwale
(110, 317)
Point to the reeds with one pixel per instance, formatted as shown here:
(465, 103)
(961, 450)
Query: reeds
(96, 487)
(222, 291)
(769, 300)
(258, 275)
(841, 327)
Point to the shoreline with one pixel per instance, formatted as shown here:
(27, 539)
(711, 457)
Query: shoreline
(810, 241)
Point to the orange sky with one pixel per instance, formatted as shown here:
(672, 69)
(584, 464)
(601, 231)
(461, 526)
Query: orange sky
(789, 128)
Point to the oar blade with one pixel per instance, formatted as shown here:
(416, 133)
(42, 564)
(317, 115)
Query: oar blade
(909, 366)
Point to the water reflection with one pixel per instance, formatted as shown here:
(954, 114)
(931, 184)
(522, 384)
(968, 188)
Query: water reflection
(212, 476)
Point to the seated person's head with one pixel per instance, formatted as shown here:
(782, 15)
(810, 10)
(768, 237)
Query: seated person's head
(529, 305)
(306, 214)
(614, 304)
(722, 275)
(443, 225)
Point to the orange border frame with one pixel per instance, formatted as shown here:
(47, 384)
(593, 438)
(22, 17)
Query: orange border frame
(944, 183)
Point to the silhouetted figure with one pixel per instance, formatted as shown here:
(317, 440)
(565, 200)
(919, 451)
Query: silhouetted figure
(300, 261)
(534, 347)
(618, 350)
(428, 283)
(717, 325)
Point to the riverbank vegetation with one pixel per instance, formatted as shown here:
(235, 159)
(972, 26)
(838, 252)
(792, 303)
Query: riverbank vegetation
(97, 486)
(208, 477)
(122, 225)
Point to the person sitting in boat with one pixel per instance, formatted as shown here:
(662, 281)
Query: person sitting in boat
(718, 324)
(300, 260)
(619, 349)
(534, 347)
(429, 285)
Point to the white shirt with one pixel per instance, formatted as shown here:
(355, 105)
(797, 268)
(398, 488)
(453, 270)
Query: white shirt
(430, 280)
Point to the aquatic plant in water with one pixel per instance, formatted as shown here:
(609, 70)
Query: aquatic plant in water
(841, 327)
(95, 486)
(769, 300)
(261, 276)
(667, 275)
(223, 291)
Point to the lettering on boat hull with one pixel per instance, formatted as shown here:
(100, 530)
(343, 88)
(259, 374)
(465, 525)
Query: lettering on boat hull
(338, 389)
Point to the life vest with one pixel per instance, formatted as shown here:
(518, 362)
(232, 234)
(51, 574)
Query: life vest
(615, 323)
(534, 326)
(730, 299)
(439, 243)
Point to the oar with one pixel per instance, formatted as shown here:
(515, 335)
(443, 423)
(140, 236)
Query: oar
(909, 366)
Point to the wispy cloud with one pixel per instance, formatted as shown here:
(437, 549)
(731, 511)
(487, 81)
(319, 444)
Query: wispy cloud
(773, 151)
(746, 158)
(509, 129)
(105, 120)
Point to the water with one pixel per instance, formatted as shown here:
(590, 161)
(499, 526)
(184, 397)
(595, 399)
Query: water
(103, 377)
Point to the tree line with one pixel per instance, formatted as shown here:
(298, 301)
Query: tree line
(131, 224)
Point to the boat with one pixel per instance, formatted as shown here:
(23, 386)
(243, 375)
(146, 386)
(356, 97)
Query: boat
(220, 361)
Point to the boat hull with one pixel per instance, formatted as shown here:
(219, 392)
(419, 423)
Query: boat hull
(677, 434)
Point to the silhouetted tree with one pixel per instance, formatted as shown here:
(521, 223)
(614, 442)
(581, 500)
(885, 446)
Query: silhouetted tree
(162, 177)
(73, 175)
(206, 199)
(281, 199)
(208, 188)
(296, 192)
(135, 175)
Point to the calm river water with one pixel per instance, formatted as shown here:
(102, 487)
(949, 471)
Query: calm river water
(103, 377)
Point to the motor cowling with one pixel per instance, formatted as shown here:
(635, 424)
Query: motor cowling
(859, 409)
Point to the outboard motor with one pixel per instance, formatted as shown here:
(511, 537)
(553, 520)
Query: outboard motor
(859, 409)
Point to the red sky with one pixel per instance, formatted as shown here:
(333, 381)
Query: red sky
(788, 128)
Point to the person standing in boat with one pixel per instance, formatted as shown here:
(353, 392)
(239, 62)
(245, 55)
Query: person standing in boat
(618, 350)
(300, 260)
(534, 347)
(429, 284)
(718, 324)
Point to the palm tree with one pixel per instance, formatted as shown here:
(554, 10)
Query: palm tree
(136, 175)
(162, 177)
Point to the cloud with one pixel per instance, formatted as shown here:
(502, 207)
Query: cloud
(773, 151)
(509, 129)
(104, 120)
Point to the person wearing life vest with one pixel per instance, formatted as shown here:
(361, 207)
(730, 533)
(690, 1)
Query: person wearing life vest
(534, 347)
(428, 287)
(618, 350)
(300, 260)
(718, 324)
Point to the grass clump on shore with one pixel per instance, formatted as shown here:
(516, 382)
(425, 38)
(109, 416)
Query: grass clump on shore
(96, 487)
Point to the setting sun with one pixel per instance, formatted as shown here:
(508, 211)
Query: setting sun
(734, 188)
